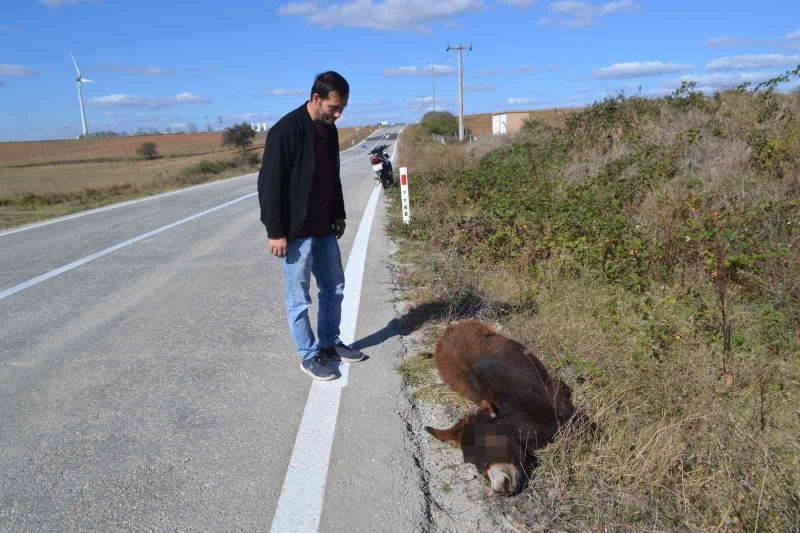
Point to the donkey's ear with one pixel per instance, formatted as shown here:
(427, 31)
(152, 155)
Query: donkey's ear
(451, 436)
(487, 408)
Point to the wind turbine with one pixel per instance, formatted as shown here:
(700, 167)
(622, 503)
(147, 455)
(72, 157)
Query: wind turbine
(80, 80)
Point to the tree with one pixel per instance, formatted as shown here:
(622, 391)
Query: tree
(440, 123)
(240, 136)
(192, 127)
(148, 150)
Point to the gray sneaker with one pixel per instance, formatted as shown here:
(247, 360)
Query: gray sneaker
(316, 368)
(342, 352)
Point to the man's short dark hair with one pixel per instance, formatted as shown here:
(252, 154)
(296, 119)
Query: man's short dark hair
(328, 82)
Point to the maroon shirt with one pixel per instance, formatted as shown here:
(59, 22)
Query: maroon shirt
(320, 200)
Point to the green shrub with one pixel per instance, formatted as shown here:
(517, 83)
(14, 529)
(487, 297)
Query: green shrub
(440, 123)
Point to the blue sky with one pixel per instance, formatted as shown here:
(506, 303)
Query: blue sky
(165, 64)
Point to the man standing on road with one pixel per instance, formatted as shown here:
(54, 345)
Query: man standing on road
(302, 207)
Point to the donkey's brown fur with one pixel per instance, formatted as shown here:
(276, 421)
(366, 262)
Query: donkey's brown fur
(520, 406)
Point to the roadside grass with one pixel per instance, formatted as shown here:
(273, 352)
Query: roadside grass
(419, 372)
(41, 187)
(648, 251)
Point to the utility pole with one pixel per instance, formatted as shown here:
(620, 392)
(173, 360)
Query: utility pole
(422, 104)
(433, 77)
(460, 89)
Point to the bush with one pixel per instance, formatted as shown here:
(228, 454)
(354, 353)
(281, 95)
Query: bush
(241, 136)
(440, 123)
(249, 159)
(147, 150)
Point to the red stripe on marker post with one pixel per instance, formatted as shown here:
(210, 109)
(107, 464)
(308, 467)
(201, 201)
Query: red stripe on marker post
(404, 195)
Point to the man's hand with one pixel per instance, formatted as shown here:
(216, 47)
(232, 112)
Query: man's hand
(338, 227)
(277, 247)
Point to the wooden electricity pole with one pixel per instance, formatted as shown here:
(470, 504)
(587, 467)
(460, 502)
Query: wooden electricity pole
(460, 89)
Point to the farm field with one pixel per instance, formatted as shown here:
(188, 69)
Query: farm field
(51, 178)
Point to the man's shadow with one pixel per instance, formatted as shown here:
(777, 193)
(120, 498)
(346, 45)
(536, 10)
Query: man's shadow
(466, 305)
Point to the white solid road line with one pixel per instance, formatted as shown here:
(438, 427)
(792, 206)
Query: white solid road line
(38, 279)
(300, 504)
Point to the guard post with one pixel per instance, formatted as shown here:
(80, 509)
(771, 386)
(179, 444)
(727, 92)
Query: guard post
(404, 195)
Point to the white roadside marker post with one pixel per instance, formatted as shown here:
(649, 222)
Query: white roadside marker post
(404, 195)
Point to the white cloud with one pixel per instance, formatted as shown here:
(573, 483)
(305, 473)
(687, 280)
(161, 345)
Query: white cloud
(480, 87)
(253, 116)
(489, 72)
(753, 61)
(658, 93)
(793, 35)
(729, 41)
(140, 71)
(544, 22)
(638, 70)
(389, 15)
(130, 101)
(286, 92)
(625, 6)
(523, 101)
(419, 100)
(526, 69)
(710, 83)
(520, 4)
(425, 70)
(416, 104)
(15, 70)
(581, 14)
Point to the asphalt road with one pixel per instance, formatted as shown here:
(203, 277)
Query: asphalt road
(155, 386)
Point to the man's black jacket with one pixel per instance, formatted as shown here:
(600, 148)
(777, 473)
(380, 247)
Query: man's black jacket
(287, 173)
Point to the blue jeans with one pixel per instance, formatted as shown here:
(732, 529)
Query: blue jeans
(321, 257)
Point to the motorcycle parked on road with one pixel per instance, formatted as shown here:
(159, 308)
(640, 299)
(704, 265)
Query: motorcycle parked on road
(382, 165)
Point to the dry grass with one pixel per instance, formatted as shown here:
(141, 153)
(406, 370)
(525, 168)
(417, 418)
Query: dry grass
(690, 437)
(73, 178)
(51, 178)
(114, 148)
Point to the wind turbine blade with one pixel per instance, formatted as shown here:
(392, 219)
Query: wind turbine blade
(75, 63)
(84, 80)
